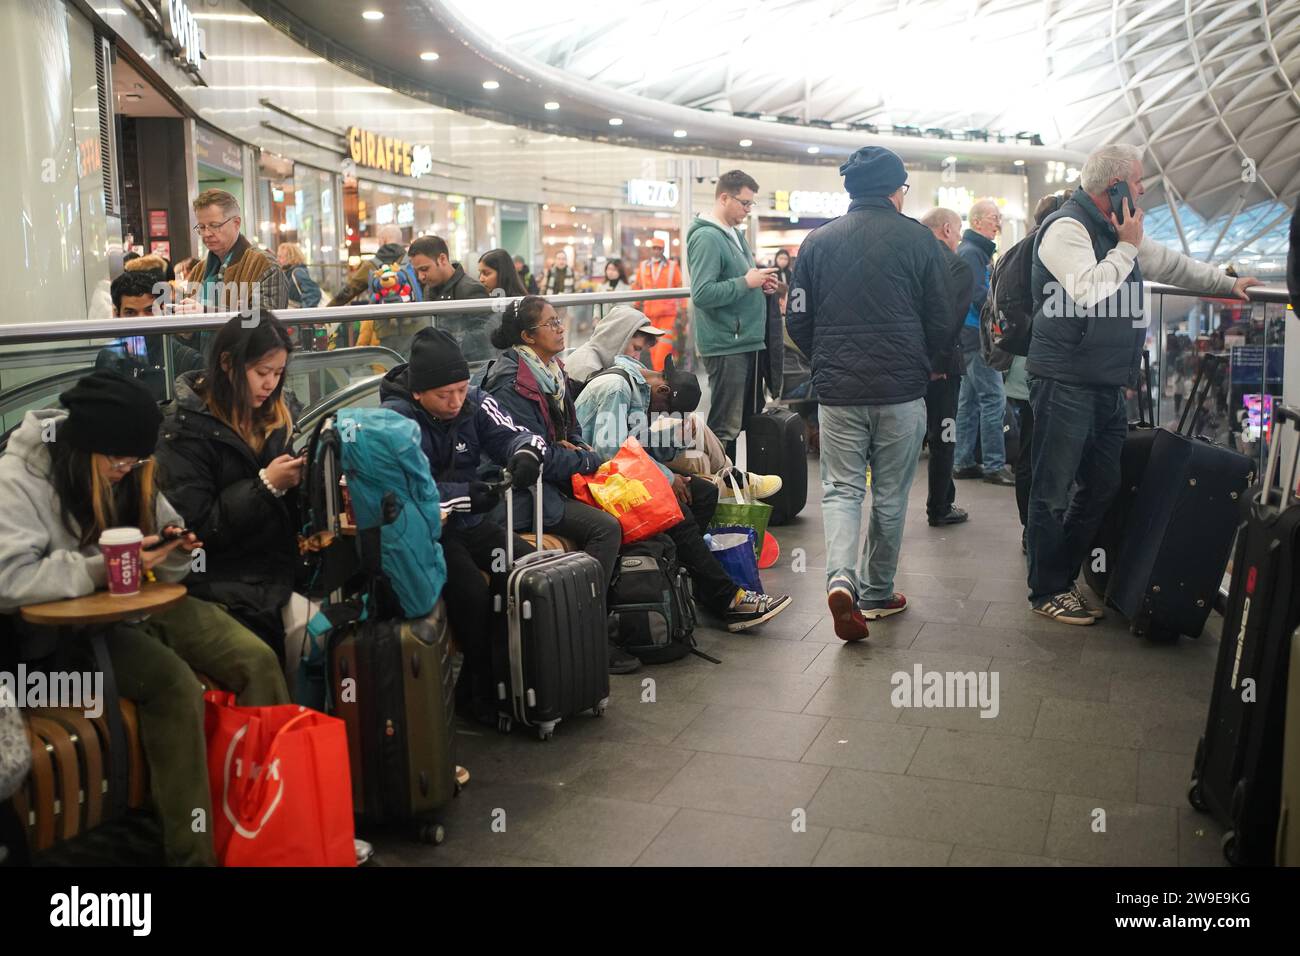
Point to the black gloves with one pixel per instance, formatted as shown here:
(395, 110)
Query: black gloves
(482, 497)
(525, 465)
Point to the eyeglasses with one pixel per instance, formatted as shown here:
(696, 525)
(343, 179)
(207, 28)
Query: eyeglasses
(126, 467)
(203, 227)
(905, 187)
(554, 324)
(747, 204)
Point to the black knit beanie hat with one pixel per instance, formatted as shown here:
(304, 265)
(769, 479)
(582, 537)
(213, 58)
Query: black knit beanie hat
(436, 360)
(110, 414)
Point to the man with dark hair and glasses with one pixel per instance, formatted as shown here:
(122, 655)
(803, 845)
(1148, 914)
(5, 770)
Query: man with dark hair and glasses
(727, 290)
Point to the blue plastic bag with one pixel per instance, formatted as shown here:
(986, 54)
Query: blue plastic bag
(734, 547)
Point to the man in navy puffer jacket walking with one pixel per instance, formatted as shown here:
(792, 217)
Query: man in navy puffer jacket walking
(869, 304)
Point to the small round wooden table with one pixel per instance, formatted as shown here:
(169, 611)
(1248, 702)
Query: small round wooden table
(90, 615)
(104, 608)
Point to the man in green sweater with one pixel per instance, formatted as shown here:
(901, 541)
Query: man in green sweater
(730, 310)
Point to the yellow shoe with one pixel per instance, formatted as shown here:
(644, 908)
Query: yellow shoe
(462, 776)
(763, 486)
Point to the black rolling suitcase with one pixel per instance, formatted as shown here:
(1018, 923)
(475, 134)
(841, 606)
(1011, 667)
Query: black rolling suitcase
(1179, 533)
(550, 642)
(778, 445)
(1238, 769)
(1108, 541)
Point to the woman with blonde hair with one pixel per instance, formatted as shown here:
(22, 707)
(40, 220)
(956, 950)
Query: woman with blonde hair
(66, 477)
(225, 463)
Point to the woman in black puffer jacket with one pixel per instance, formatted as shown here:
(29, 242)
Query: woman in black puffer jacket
(225, 466)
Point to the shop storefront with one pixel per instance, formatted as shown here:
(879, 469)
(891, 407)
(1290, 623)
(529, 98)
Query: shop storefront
(584, 235)
(413, 211)
(790, 215)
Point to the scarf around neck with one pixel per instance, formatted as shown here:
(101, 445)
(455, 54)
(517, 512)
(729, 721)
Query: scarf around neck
(550, 377)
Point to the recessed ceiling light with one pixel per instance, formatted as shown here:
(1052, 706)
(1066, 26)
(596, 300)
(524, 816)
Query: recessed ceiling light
(814, 149)
(491, 85)
(839, 125)
(428, 56)
(372, 14)
(950, 159)
(679, 134)
(615, 121)
(551, 105)
(746, 143)
(768, 118)
(573, 209)
(1019, 162)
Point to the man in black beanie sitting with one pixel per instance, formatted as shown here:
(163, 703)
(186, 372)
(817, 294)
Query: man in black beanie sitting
(458, 426)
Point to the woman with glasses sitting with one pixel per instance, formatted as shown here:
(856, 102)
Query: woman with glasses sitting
(530, 383)
(66, 477)
(225, 464)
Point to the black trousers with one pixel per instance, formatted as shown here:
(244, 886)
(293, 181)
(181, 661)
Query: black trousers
(469, 598)
(941, 416)
(713, 586)
(1025, 463)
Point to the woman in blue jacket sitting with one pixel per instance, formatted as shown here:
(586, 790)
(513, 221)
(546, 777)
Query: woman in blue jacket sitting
(529, 382)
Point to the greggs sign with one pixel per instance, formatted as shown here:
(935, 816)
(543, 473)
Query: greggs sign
(381, 152)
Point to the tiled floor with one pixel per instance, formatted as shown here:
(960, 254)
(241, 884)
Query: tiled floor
(790, 751)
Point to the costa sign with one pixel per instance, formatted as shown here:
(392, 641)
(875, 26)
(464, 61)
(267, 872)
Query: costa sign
(182, 32)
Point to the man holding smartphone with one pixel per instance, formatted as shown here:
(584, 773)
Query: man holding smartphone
(1089, 328)
(728, 292)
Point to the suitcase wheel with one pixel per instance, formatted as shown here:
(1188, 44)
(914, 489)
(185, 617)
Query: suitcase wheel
(1196, 797)
(432, 833)
(1231, 849)
(503, 723)
(546, 731)
(600, 708)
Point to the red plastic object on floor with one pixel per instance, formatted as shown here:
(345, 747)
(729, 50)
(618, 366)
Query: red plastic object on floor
(770, 552)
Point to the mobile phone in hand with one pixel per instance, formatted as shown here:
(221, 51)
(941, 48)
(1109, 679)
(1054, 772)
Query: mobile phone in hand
(167, 535)
(1121, 200)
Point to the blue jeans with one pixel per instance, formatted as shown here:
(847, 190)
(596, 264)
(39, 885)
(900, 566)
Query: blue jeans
(888, 438)
(1079, 432)
(981, 409)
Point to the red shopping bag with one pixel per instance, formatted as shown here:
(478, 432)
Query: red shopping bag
(281, 789)
(632, 488)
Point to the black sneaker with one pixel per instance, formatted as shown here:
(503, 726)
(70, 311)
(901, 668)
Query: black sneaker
(955, 515)
(974, 471)
(753, 608)
(621, 662)
(1096, 612)
(1004, 476)
(1064, 607)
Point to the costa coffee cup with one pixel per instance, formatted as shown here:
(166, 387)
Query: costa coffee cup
(125, 567)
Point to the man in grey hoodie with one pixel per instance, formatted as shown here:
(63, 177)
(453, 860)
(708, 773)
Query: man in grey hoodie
(621, 328)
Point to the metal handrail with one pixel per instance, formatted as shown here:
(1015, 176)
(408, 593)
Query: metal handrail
(321, 315)
(1257, 293)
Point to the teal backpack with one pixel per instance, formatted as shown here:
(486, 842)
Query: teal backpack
(395, 502)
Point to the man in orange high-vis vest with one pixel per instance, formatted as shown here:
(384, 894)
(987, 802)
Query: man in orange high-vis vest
(658, 272)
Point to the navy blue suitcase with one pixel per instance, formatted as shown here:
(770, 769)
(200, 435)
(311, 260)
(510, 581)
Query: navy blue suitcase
(1179, 535)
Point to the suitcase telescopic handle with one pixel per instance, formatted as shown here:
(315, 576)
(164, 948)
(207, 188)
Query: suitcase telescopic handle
(1281, 414)
(504, 486)
(1204, 372)
(1146, 416)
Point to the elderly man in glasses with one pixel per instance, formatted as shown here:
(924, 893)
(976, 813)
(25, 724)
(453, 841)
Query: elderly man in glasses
(730, 311)
(233, 276)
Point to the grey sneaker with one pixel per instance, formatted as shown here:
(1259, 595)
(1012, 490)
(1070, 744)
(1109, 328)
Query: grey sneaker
(753, 608)
(363, 849)
(1096, 612)
(1064, 607)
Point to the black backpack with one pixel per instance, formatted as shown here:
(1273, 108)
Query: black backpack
(1007, 316)
(650, 603)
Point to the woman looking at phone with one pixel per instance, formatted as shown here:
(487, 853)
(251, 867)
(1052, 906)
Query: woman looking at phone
(225, 463)
(65, 478)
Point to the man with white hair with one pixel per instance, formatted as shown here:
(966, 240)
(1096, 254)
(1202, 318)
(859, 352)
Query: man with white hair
(982, 404)
(1090, 258)
(941, 397)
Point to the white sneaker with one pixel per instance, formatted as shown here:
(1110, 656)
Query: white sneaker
(364, 850)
